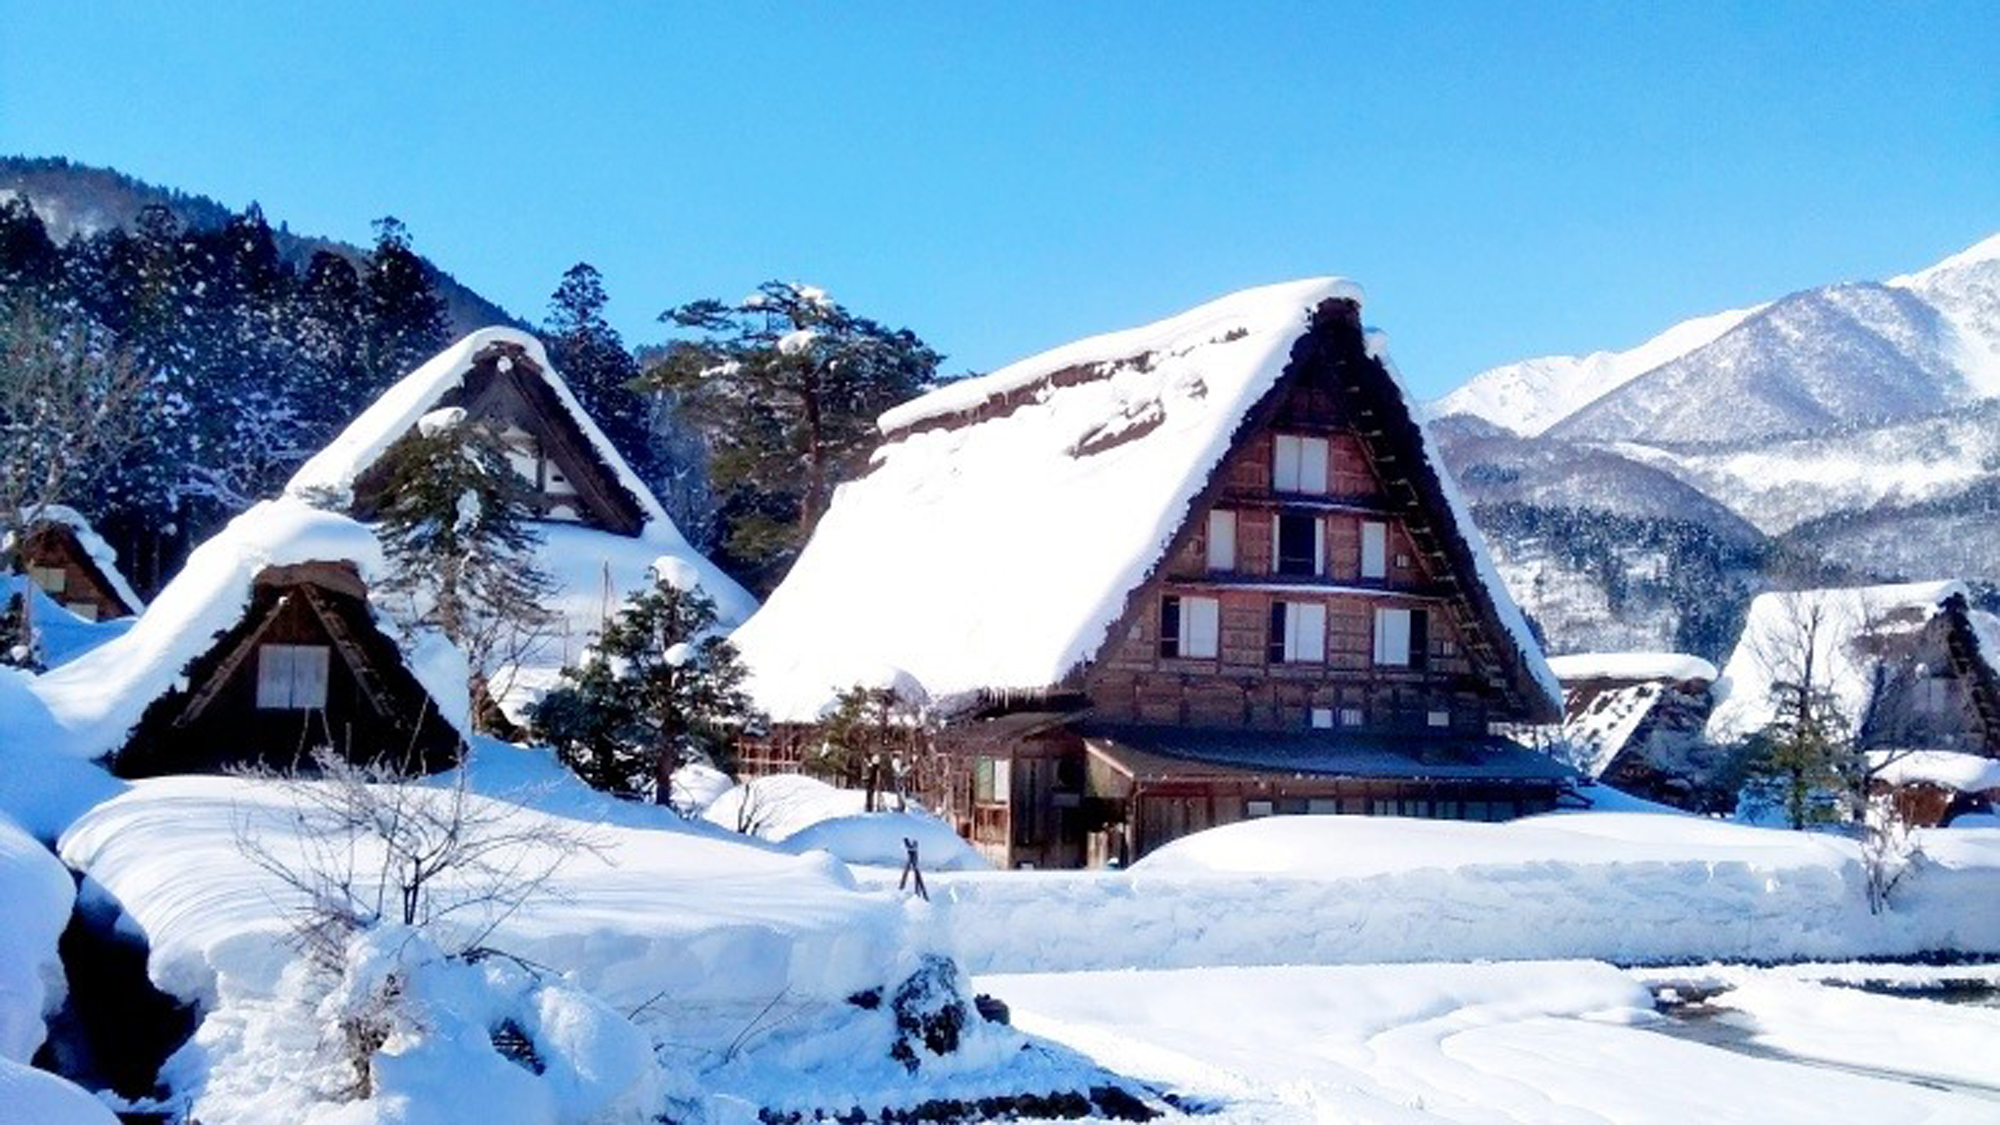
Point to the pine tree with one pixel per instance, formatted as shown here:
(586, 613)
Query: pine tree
(788, 384)
(593, 359)
(455, 526)
(29, 259)
(406, 317)
(661, 688)
(330, 329)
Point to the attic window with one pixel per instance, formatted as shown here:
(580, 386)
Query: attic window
(1374, 549)
(1401, 638)
(1298, 464)
(85, 610)
(52, 579)
(292, 677)
(1221, 539)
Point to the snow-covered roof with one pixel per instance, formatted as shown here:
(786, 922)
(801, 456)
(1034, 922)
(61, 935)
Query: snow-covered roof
(595, 569)
(995, 556)
(100, 552)
(1674, 666)
(99, 697)
(1967, 773)
(1773, 642)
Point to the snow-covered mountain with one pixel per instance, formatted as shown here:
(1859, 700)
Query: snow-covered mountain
(1845, 433)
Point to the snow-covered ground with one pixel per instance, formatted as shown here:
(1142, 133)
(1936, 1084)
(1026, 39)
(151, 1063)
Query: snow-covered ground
(801, 814)
(1574, 1042)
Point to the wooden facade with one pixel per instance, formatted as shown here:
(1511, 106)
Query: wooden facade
(305, 668)
(1318, 601)
(569, 482)
(1934, 689)
(54, 559)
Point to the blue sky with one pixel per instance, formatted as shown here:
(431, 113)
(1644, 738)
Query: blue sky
(1506, 180)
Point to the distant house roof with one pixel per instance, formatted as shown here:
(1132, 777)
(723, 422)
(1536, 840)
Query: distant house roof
(1180, 753)
(96, 552)
(1006, 520)
(1671, 667)
(1772, 640)
(595, 568)
(98, 698)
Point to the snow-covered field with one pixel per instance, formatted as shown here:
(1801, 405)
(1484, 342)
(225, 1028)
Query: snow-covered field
(1570, 1042)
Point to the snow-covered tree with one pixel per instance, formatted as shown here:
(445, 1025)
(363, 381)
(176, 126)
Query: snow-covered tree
(406, 317)
(661, 688)
(455, 526)
(593, 359)
(788, 384)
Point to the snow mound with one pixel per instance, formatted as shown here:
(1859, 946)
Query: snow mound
(676, 911)
(1624, 887)
(1674, 666)
(35, 899)
(36, 1097)
(96, 699)
(42, 789)
(802, 814)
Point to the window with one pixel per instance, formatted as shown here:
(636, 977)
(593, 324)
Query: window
(1439, 718)
(991, 780)
(1374, 550)
(85, 610)
(1298, 464)
(1322, 718)
(1298, 633)
(1298, 544)
(291, 677)
(1402, 561)
(1350, 716)
(1322, 806)
(52, 579)
(1189, 627)
(1256, 809)
(1221, 539)
(1381, 807)
(1401, 636)
(1933, 695)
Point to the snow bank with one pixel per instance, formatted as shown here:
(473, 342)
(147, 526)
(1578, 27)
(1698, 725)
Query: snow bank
(42, 789)
(802, 814)
(96, 699)
(1967, 773)
(670, 910)
(35, 899)
(1105, 441)
(1627, 887)
(64, 636)
(36, 1097)
(1773, 641)
(1675, 666)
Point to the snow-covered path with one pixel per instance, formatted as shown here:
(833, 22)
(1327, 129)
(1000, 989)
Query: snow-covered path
(1544, 1042)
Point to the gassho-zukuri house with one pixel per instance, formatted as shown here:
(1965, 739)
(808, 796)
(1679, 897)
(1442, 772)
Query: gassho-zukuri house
(602, 530)
(1169, 578)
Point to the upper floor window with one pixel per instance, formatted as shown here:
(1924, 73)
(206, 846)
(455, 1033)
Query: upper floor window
(1298, 633)
(1190, 627)
(1402, 637)
(1374, 549)
(292, 677)
(1298, 544)
(1221, 539)
(1298, 464)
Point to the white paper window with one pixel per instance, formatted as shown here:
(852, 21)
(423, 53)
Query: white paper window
(1322, 806)
(1440, 718)
(1256, 810)
(1221, 539)
(1299, 464)
(1392, 637)
(1374, 550)
(1350, 716)
(52, 579)
(1003, 781)
(1322, 718)
(1305, 632)
(1201, 620)
(85, 610)
(292, 677)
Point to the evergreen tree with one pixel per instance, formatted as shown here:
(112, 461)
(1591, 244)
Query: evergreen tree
(406, 317)
(872, 736)
(330, 330)
(29, 259)
(455, 527)
(661, 688)
(593, 359)
(788, 384)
